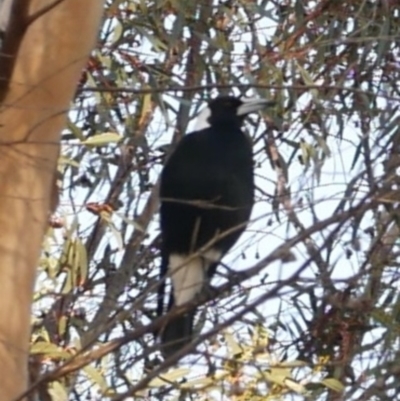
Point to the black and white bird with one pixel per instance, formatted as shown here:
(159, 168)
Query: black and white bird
(207, 194)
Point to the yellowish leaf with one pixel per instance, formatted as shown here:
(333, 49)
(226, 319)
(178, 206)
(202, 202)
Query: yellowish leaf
(102, 139)
(49, 349)
(57, 392)
(233, 345)
(146, 109)
(333, 384)
(96, 377)
(169, 377)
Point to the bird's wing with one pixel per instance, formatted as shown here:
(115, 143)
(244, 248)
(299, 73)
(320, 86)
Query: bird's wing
(190, 149)
(180, 180)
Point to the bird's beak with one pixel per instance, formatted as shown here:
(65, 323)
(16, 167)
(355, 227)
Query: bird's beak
(252, 105)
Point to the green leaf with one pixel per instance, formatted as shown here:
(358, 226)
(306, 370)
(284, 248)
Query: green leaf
(380, 316)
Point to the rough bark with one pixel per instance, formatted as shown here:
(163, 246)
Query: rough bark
(42, 63)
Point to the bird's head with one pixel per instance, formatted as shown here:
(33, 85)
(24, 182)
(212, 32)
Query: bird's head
(228, 111)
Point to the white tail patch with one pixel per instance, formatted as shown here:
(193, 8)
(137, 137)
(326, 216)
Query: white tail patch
(212, 255)
(188, 274)
(202, 119)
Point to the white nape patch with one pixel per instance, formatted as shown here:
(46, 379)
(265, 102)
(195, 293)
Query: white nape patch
(202, 119)
(188, 274)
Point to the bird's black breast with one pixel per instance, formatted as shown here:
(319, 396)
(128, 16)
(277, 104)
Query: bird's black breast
(206, 188)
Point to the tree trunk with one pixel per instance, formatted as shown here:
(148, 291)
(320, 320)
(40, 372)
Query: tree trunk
(44, 52)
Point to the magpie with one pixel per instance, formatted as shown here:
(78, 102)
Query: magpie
(206, 197)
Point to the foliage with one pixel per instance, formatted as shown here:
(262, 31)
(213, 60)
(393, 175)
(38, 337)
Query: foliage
(312, 310)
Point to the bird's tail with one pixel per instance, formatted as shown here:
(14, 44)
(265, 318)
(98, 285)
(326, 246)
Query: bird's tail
(177, 333)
